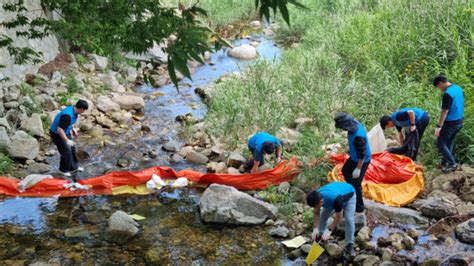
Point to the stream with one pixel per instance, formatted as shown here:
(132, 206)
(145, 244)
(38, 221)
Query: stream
(34, 229)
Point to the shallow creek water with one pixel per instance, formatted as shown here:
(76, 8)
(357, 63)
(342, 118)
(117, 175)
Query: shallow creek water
(33, 229)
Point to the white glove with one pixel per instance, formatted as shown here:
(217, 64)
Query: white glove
(326, 234)
(356, 173)
(70, 143)
(412, 128)
(315, 234)
(437, 131)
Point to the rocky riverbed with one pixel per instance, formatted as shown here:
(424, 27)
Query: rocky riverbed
(133, 125)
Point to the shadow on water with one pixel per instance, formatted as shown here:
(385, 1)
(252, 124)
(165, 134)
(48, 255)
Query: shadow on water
(35, 229)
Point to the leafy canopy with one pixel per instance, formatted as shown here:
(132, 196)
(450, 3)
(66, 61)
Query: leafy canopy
(108, 26)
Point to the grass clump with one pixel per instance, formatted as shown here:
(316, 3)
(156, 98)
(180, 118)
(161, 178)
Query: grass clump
(364, 57)
(6, 163)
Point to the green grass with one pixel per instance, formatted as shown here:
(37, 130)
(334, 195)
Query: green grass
(365, 57)
(6, 163)
(224, 12)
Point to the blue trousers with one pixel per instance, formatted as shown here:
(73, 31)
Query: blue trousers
(446, 141)
(349, 212)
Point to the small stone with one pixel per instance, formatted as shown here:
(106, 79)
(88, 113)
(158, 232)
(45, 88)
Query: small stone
(284, 187)
(153, 154)
(221, 168)
(255, 24)
(413, 233)
(235, 160)
(408, 242)
(171, 146)
(364, 234)
(101, 62)
(306, 248)
(386, 254)
(176, 158)
(270, 222)
(465, 231)
(123, 163)
(280, 231)
(38, 168)
(293, 255)
(196, 157)
(76, 232)
(334, 250)
(4, 139)
(244, 51)
(233, 171)
(22, 146)
(121, 228)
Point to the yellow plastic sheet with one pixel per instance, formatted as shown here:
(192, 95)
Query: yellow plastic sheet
(314, 253)
(139, 190)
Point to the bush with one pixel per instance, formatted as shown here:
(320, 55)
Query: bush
(367, 58)
(6, 163)
(72, 84)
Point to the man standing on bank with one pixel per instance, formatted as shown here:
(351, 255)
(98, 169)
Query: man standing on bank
(332, 198)
(450, 122)
(413, 118)
(359, 155)
(62, 132)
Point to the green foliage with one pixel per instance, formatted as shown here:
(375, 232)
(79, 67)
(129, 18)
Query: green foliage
(367, 58)
(30, 106)
(81, 59)
(6, 163)
(72, 84)
(102, 89)
(122, 25)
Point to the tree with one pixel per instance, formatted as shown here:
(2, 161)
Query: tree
(108, 26)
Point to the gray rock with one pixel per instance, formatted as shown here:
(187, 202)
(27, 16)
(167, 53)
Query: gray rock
(100, 61)
(11, 105)
(334, 250)
(279, 231)
(12, 95)
(438, 208)
(264, 167)
(255, 24)
(221, 168)
(364, 234)
(289, 136)
(56, 77)
(171, 146)
(297, 195)
(290, 210)
(121, 228)
(105, 121)
(106, 105)
(235, 160)
(123, 163)
(132, 74)
(122, 117)
(38, 168)
(233, 171)
(303, 122)
(111, 82)
(284, 187)
(176, 158)
(196, 157)
(244, 51)
(387, 254)
(225, 204)
(33, 125)
(4, 139)
(408, 242)
(306, 248)
(77, 232)
(159, 80)
(465, 231)
(293, 255)
(359, 220)
(22, 146)
(129, 102)
(392, 214)
(2, 108)
(4, 123)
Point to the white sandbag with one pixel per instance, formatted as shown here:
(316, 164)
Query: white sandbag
(150, 186)
(377, 140)
(180, 182)
(76, 186)
(31, 180)
(158, 181)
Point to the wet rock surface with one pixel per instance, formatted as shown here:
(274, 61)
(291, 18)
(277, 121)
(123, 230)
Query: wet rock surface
(224, 204)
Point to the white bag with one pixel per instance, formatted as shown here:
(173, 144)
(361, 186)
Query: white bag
(30, 181)
(180, 182)
(377, 140)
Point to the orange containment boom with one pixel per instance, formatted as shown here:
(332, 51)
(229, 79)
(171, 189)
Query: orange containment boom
(134, 182)
(391, 179)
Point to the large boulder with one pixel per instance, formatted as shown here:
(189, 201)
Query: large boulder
(288, 136)
(244, 51)
(225, 204)
(121, 228)
(438, 208)
(280, 231)
(4, 123)
(22, 146)
(465, 231)
(33, 125)
(383, 212)
(129, 102)
(106, 105)
(334, 250)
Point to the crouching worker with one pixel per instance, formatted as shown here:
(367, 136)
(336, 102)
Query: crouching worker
(259, 144)
(338, 198)
(413, 118)
(62, 133)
